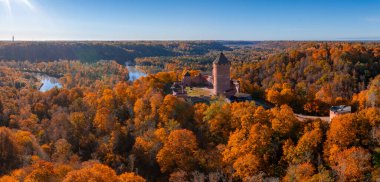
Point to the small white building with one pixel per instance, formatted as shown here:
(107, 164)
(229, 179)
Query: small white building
(338, 110)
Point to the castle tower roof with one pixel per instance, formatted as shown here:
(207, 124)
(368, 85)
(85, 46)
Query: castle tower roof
(221, 59)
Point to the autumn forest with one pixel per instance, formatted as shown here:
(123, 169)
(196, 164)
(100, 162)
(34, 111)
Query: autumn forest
(98, 124)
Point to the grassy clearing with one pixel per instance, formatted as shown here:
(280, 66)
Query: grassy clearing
(198, 92)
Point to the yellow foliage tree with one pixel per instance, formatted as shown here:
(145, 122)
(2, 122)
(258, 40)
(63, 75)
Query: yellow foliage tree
(218, 117)
(306, 148)
(283, 120)
(242, 114)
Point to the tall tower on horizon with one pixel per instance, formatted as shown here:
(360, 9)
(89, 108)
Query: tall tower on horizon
(13, 38)
(221, 74)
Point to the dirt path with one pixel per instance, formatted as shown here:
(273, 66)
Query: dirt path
(304, 117)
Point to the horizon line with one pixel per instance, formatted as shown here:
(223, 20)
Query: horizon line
(197, 40)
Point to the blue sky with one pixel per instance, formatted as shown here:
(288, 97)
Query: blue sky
(189, 19)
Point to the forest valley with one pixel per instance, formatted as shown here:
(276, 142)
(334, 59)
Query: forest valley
(102, 127)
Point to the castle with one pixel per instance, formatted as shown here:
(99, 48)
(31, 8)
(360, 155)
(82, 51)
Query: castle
(220, 83)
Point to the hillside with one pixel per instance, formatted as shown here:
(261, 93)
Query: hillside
(93, 51)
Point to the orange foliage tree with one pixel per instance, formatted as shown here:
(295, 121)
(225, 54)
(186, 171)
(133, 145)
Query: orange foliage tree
(131, 177)
(300, 172)
(352, 164)
(283, 120)
(178, 152)
(96, 173)
(9, 150)
(346, 131)
(306, 148)
(249, 150)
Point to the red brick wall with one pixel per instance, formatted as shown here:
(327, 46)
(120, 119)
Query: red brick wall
(186, 81)
(221, 75)
(199, 80)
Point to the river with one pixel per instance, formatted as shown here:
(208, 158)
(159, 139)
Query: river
(135, 73)
(48, 82)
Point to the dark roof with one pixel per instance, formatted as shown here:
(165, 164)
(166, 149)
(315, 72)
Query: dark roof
(341, 108)
(187, 73)
(221, 59)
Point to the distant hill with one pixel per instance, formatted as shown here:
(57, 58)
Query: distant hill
(93, 51)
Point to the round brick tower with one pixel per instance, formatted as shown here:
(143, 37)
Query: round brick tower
(221, 74)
